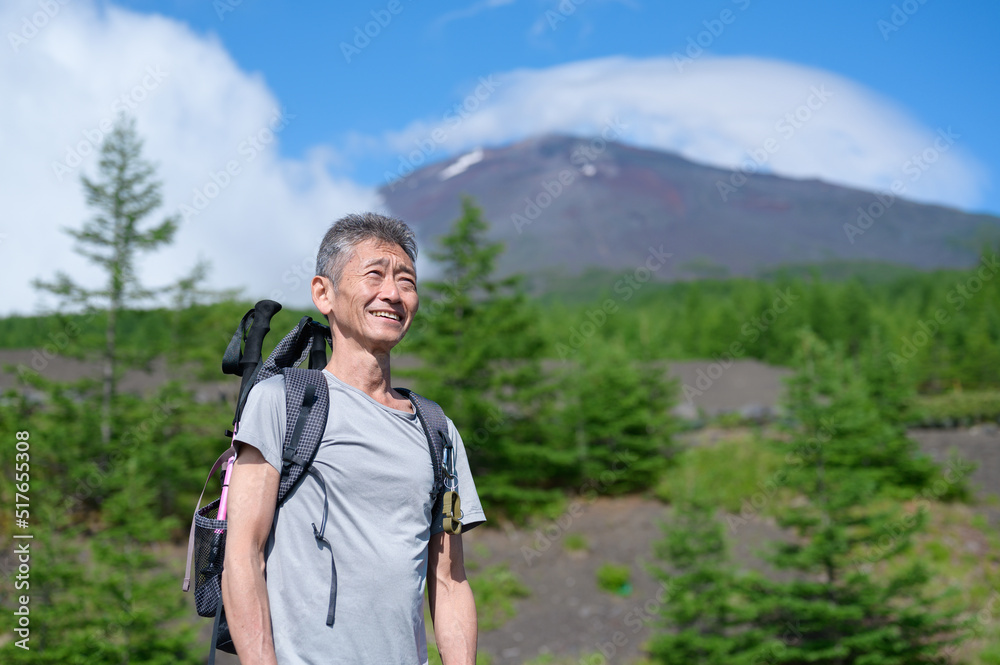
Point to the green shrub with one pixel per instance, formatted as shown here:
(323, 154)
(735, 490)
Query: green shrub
(614, 578)
(575, 542)
(496, 588)
(956, 408)
(723, 475)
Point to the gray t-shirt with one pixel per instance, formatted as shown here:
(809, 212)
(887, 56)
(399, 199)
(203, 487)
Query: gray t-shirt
(375, 463)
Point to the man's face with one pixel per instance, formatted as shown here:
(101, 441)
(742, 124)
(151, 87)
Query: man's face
(376, 296)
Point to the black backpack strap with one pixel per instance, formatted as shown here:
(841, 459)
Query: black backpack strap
(435, 424)
(308, 338)
(215, 635)
(307, 404)
(319, 535)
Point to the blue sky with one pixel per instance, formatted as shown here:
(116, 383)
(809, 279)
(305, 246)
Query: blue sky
(264, 131)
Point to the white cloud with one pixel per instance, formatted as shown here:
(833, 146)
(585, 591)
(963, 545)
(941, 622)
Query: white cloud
(196, 110)
(718, 110)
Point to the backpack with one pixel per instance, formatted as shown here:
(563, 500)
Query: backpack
(307, 403)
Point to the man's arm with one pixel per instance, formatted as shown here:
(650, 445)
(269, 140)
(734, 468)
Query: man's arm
(453, 609)
(253, 493)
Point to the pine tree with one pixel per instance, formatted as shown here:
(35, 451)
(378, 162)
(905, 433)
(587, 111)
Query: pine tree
(481, 352)
(98, 587)
(845, 598)
(124, 194)
(824, 319)
(619, 411)
(848, 466)
(708, 615)
(108, 468)
(854, 307)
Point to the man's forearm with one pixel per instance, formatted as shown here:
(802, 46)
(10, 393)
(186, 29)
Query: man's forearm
(456, 630)
(248, 613)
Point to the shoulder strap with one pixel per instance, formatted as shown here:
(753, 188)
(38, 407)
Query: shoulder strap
(435, 424)
(307, 404)
(308, 338)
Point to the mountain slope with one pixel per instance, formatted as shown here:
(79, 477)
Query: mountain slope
(563, 204)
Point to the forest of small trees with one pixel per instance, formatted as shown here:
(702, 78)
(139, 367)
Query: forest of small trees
(549, 389)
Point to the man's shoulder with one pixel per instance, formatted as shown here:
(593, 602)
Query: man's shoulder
(268, 393)
(271, 385)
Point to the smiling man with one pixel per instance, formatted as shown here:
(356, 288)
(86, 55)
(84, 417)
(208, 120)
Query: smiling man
(374, 495)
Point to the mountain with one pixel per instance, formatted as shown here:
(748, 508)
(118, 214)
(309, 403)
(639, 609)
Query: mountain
(565, 204)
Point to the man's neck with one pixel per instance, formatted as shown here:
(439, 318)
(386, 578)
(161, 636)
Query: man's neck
(363, 369)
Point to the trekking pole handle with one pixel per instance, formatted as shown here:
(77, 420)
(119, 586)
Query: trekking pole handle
(262, 313)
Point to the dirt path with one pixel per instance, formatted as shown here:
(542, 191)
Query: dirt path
(567, 614)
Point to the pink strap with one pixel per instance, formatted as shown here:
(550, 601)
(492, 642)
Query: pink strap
(224, 457)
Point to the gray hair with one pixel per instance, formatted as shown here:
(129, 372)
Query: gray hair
(348, 231)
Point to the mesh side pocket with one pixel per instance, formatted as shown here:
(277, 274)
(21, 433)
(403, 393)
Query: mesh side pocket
(209, 552)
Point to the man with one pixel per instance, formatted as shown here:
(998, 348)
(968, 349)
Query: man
(375, 503)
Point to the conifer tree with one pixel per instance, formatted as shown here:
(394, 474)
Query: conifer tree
(854, 306)
(99, 590)
(107, 468)
(845, 599)
(123, 196)
(849, 467)
(619, 411)
(478, 339)
(708, 616)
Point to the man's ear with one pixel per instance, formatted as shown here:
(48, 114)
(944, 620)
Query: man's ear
(322, 292)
